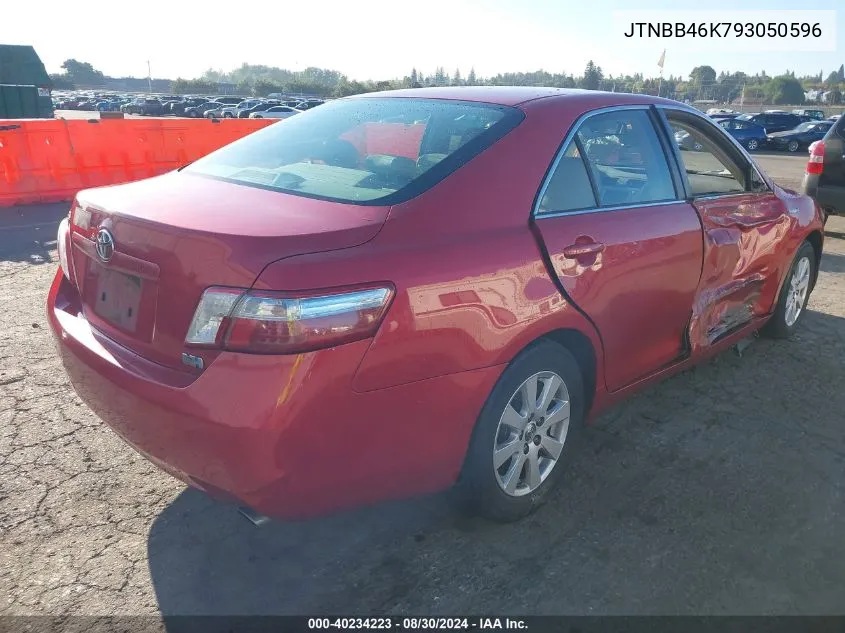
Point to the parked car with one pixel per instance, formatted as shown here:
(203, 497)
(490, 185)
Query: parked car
(233, 112)
(107, 105)
(198, 110)
(723, 117)
(800, 137)
(143, 106)
(174, 106)
(824, 178)
(88, 105)
(229, 101)
(687, 141)
(817, 115)
(179, 108)
(717, 111)
(774, 121)
(214, 110)
(276, 112)
(747, 133)
(297, 321)
(261, 107)
(310, 103)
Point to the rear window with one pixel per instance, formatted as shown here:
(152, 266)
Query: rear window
(363, 151)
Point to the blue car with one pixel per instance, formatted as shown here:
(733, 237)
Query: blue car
(748, 133)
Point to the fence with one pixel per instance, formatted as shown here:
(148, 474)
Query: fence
(49, 160)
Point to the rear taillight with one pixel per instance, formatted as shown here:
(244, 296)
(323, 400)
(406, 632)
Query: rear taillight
(816, 163)
(63, 246)
(279, 323)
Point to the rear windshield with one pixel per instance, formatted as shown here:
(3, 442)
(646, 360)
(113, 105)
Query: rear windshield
(364, 151)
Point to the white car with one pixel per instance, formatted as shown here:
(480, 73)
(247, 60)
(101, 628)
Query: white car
(232, 112)
(713, 111)
(276, 112)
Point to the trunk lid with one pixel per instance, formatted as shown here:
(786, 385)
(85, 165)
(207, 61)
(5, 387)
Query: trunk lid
(175, 235)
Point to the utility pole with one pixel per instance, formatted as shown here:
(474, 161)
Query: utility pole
(149, 77)
(742, 99)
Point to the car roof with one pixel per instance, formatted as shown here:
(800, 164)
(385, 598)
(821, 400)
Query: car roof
(517, 95)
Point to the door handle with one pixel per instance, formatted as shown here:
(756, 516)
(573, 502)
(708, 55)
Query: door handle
(574, 251)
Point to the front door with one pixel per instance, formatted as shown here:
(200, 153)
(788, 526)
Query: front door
(744, 222)
(625, 246)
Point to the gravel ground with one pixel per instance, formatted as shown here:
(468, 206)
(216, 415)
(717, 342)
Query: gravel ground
(719, 491)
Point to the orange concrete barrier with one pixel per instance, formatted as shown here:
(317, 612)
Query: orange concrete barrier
(48, 160)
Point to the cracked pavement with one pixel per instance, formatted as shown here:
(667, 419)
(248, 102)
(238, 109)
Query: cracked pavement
(719, 491)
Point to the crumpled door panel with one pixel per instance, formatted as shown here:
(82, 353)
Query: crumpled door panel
(744, 241)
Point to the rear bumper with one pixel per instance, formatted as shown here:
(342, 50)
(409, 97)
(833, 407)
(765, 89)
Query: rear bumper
(286, 435)
(831, 197)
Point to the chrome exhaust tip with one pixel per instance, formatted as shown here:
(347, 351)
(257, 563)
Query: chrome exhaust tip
(253, 517)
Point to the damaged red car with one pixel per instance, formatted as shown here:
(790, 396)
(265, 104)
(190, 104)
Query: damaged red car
(399, 293)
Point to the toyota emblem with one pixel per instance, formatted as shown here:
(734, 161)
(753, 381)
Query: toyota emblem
(105, 245)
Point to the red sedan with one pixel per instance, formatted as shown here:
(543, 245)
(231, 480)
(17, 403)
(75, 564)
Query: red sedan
(395, 293)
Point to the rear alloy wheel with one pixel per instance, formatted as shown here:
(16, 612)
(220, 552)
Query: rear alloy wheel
(794, 295)
(517, 450)
(697, 146)
(752, 144)
(793, 146)
(531, 433)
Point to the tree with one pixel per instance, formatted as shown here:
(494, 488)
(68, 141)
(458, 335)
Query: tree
(83, 73)
(835, 97)
(471, 78)
(702, 76)
(415, 80)
(264, 87)
(440, 76)
(785, 89)
(841, 72)
(832, 79)
(193, 87)
(592, 76)
(61, 82)
(457, 80)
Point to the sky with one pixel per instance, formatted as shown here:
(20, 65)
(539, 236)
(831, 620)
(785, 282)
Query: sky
(384, 39)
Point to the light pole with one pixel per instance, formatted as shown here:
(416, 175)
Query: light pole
(149, 77)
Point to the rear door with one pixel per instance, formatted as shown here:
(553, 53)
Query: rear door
(745, 226)
(625, 246)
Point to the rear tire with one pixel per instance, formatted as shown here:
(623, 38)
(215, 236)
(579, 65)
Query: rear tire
(793, 298)
(525, 453)
(752, 145)
(793, 146)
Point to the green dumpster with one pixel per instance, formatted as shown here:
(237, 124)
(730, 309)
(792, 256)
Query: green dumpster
(24, 84)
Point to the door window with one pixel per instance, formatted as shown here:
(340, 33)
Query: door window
(626, 161)
(614, 159)
(709, 168)
(568, 188)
